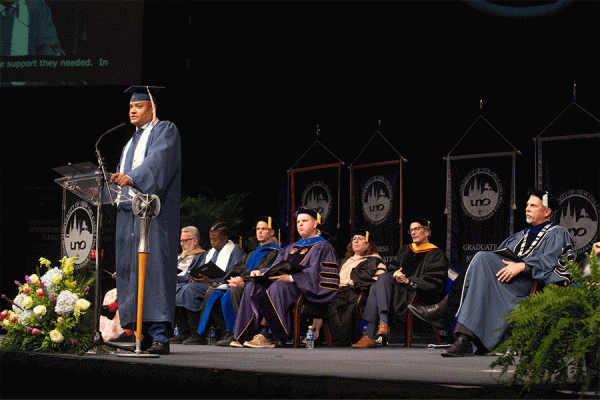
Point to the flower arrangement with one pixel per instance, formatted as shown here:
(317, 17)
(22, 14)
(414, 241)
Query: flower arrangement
(50, 312)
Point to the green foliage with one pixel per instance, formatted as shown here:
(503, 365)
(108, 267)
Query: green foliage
(202, 212)
(555, 334)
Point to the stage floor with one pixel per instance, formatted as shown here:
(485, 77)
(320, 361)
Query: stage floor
(219, 372)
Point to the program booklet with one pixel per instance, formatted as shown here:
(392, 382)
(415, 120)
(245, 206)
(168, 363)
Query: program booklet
(210, 269)
(509, 254)
(282, 267)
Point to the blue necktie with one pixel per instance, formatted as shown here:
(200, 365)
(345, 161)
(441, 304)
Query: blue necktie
(130, 152)
(214, 257)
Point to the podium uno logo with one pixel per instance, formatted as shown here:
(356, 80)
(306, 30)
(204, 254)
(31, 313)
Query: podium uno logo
(377, 199)
(318, 197)
(578, 213)
(78, 233)
(481, 193)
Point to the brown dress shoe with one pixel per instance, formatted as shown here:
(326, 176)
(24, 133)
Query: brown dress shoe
(365, 342)
(384, 329)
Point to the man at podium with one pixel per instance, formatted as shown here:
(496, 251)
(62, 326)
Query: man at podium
(150, 162)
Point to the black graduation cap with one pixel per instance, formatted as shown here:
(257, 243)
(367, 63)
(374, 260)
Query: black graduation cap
(548, 200)
(313, 213)
(421, 221)
(271, 222)
(142, 93)
(361, 232)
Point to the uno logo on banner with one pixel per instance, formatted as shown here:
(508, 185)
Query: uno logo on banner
(481, 193)
(78, 233)
(578, 213)
(318, 197)
(377, 199)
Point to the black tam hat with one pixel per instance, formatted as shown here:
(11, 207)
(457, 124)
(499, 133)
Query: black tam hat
(313, 213)
(271, 222)
(421, 221)
(548, 200)
(361, 232)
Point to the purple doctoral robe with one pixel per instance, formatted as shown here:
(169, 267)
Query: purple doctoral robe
(319, 282)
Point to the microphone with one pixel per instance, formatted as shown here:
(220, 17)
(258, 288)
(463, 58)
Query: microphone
(116, 128)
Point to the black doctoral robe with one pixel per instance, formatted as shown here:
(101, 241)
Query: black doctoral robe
(427, 267)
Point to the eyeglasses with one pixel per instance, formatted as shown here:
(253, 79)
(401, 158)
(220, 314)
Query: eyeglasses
(185, 240)
(410, 231)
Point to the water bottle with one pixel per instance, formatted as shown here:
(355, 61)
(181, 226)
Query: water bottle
(310, 338)
(211, 336)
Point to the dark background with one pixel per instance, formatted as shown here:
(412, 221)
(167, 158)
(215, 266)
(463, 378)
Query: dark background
(248, 82)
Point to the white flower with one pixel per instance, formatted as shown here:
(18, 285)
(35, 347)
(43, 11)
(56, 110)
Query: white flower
(40, 311)
(56, 278)
(34, 279)
(56, 336)
(24, 318)
(48, 278)
(65, 303)
(27, 302)
(82, 304)
(18, 303)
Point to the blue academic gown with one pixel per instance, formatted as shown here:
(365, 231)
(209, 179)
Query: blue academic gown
(190, 294)
(485, 301)
(159, 174)
(225, 295)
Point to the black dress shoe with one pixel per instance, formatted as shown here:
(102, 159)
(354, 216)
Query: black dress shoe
(123, 338)
(462, 347)
(434, 314)
(158, 348)
(227, 339)
(104, 310)
(195, 339)
(180, 338)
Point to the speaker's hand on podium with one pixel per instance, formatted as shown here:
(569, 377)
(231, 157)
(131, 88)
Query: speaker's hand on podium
(120, 179)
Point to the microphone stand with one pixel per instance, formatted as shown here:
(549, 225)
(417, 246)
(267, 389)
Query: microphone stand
(103, 182)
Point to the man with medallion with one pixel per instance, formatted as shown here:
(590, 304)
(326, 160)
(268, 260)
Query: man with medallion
(493, 283)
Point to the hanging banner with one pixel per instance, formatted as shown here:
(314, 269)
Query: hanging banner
(569, 168)
(481, 209)
(376, 200)
(318, 188)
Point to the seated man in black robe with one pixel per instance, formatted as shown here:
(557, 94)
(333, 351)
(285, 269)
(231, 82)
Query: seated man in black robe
(419, 266)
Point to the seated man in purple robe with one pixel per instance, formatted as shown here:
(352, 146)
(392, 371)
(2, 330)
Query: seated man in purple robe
(265, 308)
(492, 284)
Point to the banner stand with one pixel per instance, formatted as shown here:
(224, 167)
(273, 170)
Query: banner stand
(313, 186)
(376, 199)
(567, 165)
(476, 209)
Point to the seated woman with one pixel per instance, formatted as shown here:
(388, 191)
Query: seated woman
(359, 270)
